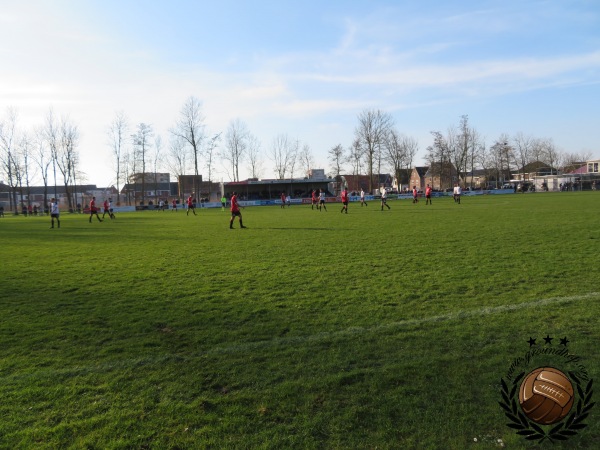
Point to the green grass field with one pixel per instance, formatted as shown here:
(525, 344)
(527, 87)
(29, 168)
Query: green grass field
(309, 329)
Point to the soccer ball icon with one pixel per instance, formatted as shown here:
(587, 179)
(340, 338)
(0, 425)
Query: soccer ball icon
(546, 395)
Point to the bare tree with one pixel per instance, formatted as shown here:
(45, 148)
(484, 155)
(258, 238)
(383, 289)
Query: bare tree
(548, 153)
(236, 144)
(210, 153)
(52, 138)
(476, 147)
(355, 157)
(177, 156)
(460, 143)
(117, 134)
(575, 158)
(306, 159)
(129, 168)
(371, 130)
(8, 154)
(500, 156)
(438, 157)
(43, 159)
(522, 150)
(283, 152)
(25, 151)
(141, 144)
(190, 128)
(337, 156)
(157, 156)
(292, 163)
(254, 157)
(399, 152)
(66, 156)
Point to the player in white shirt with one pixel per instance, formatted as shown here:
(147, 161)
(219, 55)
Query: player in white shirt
(384, 198)
(362, 198)
(457, 192)
(322, 200)
(54, 212)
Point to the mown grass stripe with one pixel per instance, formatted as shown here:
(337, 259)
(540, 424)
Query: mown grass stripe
(295, 340)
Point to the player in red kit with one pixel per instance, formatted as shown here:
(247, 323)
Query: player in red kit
(415, 195)
(283, 199)
(106, 211)
(344, 201)
(94, 210)
(428, 195)
(313, 199)
(235, 211)
(190, 205)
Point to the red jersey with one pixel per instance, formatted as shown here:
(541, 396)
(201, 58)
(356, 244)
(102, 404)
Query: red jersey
(93, 206)
(428, 191)
(106, 205)
(190, 201)
(234, 204)
(344, 196)
(283, 198)
(415, 192)
(174, 203)
(314, 196)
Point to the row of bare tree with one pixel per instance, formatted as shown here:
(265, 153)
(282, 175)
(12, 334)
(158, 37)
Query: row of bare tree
(377, 147)
(27, 156)
(464, 149)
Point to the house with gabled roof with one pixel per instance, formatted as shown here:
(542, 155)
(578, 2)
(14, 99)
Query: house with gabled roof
(417, 177)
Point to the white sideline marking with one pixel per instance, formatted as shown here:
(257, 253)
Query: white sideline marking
(487, 310)
(283, 341)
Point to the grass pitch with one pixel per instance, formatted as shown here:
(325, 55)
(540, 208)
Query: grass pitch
(373, 329)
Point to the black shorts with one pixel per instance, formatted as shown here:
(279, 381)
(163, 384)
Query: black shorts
(322, 202)
(345, 203)
(236, 213)
(54, 216)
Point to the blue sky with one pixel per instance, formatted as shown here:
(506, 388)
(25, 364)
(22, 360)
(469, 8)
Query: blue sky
(306, 69)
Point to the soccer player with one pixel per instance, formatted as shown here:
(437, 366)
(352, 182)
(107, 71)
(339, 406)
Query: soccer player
(313, 200)
(235, 211)
(415, 195)
(384, 198)
(457, 192)
(283, 199)
(174, 203)
(428, 195)
(322, 200)
(362, 198)
(107, 209)
(54, 212)
(190, 205)
(223, 203)
(344, 201)
(94, 210)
